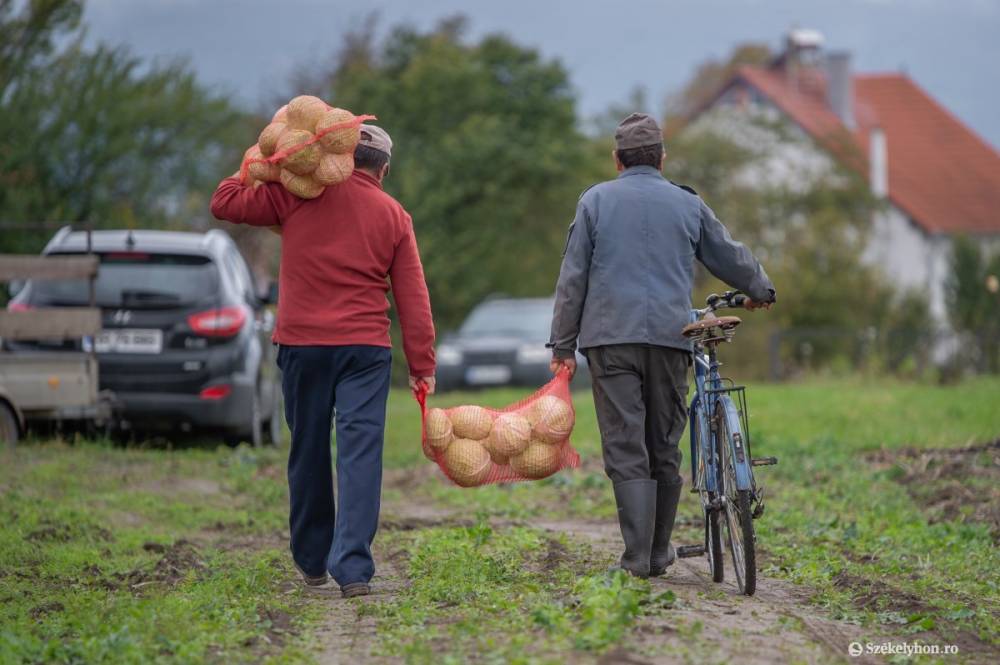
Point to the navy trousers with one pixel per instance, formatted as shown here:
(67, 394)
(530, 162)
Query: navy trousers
(348, 385)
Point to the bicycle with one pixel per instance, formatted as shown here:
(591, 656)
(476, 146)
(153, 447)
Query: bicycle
(721, 463)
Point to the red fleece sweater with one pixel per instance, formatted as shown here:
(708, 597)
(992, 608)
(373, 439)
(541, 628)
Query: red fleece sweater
(339, 254)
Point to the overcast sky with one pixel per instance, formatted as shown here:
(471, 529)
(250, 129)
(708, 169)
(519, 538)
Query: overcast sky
(250, 47)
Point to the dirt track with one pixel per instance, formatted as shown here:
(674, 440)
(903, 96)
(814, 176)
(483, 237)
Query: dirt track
(709, 623)
(777, 625)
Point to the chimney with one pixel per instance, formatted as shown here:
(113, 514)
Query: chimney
(840, 87)
(803, 44)
(802, 52)
(878, 163)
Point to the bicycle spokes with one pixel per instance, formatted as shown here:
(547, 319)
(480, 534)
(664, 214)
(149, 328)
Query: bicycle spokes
(736, 546)
(739, 519)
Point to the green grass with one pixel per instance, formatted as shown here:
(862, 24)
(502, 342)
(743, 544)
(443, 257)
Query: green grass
(112, 555)
(824, 418)
(841, 524)
(836, 521)
(513, 595)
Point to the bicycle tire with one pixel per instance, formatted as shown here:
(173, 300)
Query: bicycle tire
(739, 521)
(713, 546)
(749, 586)
(710, 517)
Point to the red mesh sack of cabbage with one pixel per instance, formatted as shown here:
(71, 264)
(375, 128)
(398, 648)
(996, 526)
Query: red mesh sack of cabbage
(307, 146)
(528, 440)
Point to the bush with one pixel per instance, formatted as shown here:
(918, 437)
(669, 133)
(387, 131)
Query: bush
(974, 303)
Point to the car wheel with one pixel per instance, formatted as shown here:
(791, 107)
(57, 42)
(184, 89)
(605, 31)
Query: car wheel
(9, 431)
(256, 435)
(274, 430)
(252, 432)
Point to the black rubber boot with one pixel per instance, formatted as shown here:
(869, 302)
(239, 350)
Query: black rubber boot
(636, 501)
(668, 495)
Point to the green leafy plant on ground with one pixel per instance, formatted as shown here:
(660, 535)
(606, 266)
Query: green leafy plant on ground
(841, 523)
(126, 555)
(838, 519)
(513, 594)
(115, 556)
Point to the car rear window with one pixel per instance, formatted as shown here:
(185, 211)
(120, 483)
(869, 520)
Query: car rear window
(528, 319)
(136, 280)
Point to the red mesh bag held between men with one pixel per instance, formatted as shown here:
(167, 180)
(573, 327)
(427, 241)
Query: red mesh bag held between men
(528, 440)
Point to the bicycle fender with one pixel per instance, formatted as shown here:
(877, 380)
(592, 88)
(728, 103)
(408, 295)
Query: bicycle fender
(741, 463)
(692, 413)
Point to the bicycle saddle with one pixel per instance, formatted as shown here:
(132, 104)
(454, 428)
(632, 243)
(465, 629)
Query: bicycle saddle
(706, 327)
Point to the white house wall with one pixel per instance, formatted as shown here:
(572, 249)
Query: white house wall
(910, 258)
(785, 155)
(906, 255)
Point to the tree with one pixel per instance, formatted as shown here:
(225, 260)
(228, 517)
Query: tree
(833, 308)
(974, 302)
(603, 125)
(97, 135)
(487, 154)
(707, 80)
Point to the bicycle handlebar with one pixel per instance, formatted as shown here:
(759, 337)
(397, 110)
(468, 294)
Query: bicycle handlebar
(729, 299)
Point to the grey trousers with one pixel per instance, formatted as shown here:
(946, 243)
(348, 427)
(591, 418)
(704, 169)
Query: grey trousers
(639, 393)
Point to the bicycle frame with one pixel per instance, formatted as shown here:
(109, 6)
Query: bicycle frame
(711, 390)
(721, 463)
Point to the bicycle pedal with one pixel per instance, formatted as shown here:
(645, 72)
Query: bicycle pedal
(688, 551)
(763, 461)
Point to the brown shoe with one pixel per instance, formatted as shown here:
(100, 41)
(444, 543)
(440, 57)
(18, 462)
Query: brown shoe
(312, 580)
(355, 589)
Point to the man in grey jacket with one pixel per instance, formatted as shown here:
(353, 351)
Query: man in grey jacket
(623, 296)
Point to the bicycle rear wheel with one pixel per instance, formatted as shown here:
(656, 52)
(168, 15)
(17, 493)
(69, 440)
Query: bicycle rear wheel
(739, 518)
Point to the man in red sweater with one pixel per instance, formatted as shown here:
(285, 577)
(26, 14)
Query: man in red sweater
(340, 253)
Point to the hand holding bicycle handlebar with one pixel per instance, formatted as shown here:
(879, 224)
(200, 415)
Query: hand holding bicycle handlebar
(752, 304)
(735, 299)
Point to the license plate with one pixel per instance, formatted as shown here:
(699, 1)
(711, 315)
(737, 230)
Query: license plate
(487, 375)
(129, 341)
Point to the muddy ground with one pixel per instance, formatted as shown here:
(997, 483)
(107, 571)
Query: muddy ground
(953, 484)
(708, 623)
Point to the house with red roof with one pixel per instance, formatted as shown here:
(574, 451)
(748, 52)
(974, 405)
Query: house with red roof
(937, 177)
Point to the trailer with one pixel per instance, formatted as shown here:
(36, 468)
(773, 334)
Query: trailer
(50, 386)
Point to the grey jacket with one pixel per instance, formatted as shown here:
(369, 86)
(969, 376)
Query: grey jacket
(628, 266)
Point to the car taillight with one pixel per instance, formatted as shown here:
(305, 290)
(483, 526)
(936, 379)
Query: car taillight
(18, 307)
(222, 322)
(216, 392)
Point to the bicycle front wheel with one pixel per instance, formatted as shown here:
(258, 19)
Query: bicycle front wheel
(710, 515)
(713, 545)
(739, 520)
